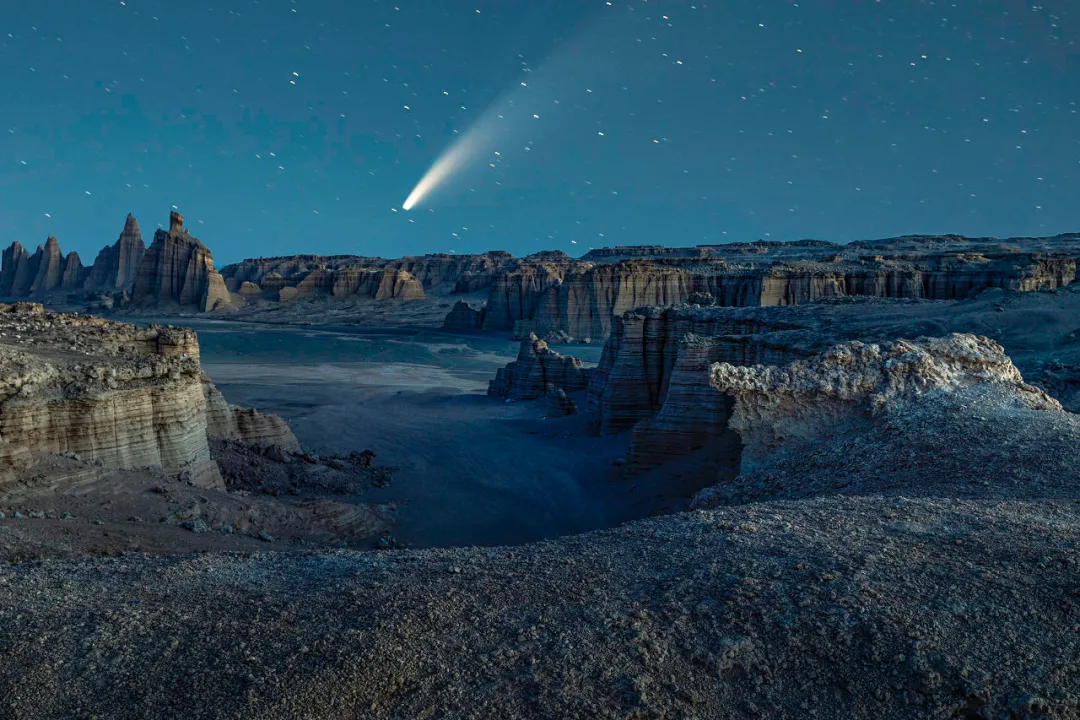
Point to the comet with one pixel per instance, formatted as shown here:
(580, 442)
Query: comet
(452, 160)
(515, 115)
(483, 137)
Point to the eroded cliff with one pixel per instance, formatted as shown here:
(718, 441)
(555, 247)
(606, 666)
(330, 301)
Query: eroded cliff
(120, 395)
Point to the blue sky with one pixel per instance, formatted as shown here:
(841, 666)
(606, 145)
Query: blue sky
(281, 127)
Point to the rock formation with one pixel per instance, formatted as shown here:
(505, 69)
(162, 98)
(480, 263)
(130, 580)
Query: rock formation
(538, 366)
(559, 403)
(178, 270)
(464, 318)
(229, 422)
(14, 271)
(344, 283)
(50, 268)
(693, 415)
(45, 272)
(386, 284)
(543, 294)
(631, 382)
(74, 272)
(807, 399)
(125, 396)
(442, 273)
(117, 265)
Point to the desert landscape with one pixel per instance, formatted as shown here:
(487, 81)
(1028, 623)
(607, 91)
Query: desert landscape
(759, 479)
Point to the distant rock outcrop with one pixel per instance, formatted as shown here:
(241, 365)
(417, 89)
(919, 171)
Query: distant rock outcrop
(116, 266)
(177, 269)
(46, 271)
(15, 270)
(388, 284)
(50, 268)
(549, 292)
(537, 367)
(464, 318)
(407, 278)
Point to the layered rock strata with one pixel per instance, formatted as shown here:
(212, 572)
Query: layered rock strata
(580, 297)
(46, 271)
(178, 270)
(124, 396)
(537, 367)
(631, 382)
(438, 272)
(693, 415)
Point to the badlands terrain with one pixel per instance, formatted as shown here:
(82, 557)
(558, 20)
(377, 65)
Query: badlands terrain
(753, 480)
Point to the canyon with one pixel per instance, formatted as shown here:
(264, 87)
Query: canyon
(758, 479)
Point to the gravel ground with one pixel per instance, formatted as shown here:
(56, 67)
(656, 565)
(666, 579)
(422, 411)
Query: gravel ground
(834, 607)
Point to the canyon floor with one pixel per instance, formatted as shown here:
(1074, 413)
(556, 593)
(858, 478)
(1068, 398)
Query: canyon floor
(468, 469)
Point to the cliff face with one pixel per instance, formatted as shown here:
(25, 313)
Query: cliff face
(440, 272)
(536, 369)
(117, 265)
(126, 396)
(346, 282)
(15, 272)
(693, 415)
(632, 380)
(178, 269)
(376, 284)
(517, 294)
(580, 298)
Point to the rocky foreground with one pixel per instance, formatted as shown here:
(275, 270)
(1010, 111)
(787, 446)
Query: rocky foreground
(112, 439)
(833, 607)
(901, 540)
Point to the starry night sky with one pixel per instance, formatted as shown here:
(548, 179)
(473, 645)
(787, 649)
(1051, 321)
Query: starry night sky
(287, 126)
